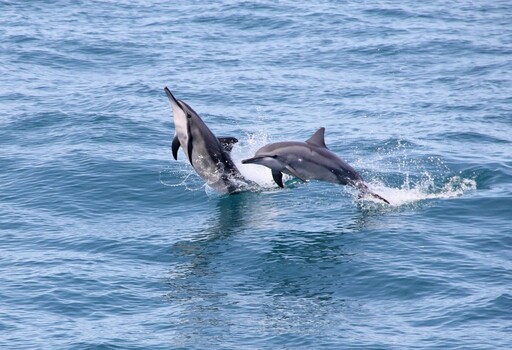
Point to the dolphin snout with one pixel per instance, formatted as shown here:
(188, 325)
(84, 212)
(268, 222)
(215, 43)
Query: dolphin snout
(255, 160)
(174, 102)
(250, 160)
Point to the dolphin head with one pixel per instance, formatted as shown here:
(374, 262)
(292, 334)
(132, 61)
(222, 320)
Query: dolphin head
(182, 112)
(266, 156)
(269, 161)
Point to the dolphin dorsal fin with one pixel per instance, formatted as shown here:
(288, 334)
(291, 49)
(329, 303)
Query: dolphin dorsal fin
(318, 138)
(227, 142)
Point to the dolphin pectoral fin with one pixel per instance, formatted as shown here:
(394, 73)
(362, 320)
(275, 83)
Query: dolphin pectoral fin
(227, 143)
(189, 149)
(175, 146)
(295, 173)
(189, 144)
(278, 177)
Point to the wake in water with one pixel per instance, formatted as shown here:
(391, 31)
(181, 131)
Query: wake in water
(410, 191)
(423, 178)
(185, 177)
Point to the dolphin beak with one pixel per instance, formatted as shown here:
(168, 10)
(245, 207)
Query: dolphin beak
(170, 96)
(251, 160)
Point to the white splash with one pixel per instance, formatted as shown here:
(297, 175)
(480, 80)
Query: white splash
(407, 193)
(426, 189)
(185, 176)
(246, 149)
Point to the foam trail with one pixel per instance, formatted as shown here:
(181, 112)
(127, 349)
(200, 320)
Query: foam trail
(407, 193)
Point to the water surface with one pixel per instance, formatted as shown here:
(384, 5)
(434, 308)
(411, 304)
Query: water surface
(108, 243)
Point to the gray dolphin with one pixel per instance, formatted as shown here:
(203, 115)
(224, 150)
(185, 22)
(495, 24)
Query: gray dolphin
(209, 155)
(310, 160)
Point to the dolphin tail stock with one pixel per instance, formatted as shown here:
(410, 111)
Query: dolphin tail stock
(375, 195)
(364, 190)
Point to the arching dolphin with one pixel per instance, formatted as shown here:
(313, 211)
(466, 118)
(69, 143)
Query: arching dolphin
(310, 160)
(208, 155)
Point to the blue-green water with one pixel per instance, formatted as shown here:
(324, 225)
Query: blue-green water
(108, 243)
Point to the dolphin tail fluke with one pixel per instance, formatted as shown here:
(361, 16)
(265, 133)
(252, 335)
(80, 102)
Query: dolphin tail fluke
(366, 191)
(375, 195)
(227, 142)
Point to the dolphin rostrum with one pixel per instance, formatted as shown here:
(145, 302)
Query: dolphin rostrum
(209, 155)
(310, 160)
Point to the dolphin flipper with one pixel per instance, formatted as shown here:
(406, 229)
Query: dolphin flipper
(189, 144)
(227, 142)
(278, 177)
(175, 146)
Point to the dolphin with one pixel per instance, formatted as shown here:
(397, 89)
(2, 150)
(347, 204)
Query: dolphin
(310, 160)
(209, 155)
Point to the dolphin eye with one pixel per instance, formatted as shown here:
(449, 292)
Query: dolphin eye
(189, 116)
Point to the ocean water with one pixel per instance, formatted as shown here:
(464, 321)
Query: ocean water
(106, 242)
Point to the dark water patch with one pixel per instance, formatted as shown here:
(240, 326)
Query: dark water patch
(23, 38)
(488, 175)
(471, 137)
(390, 12)
(51, 59)
(37, 122)
(81, 179)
